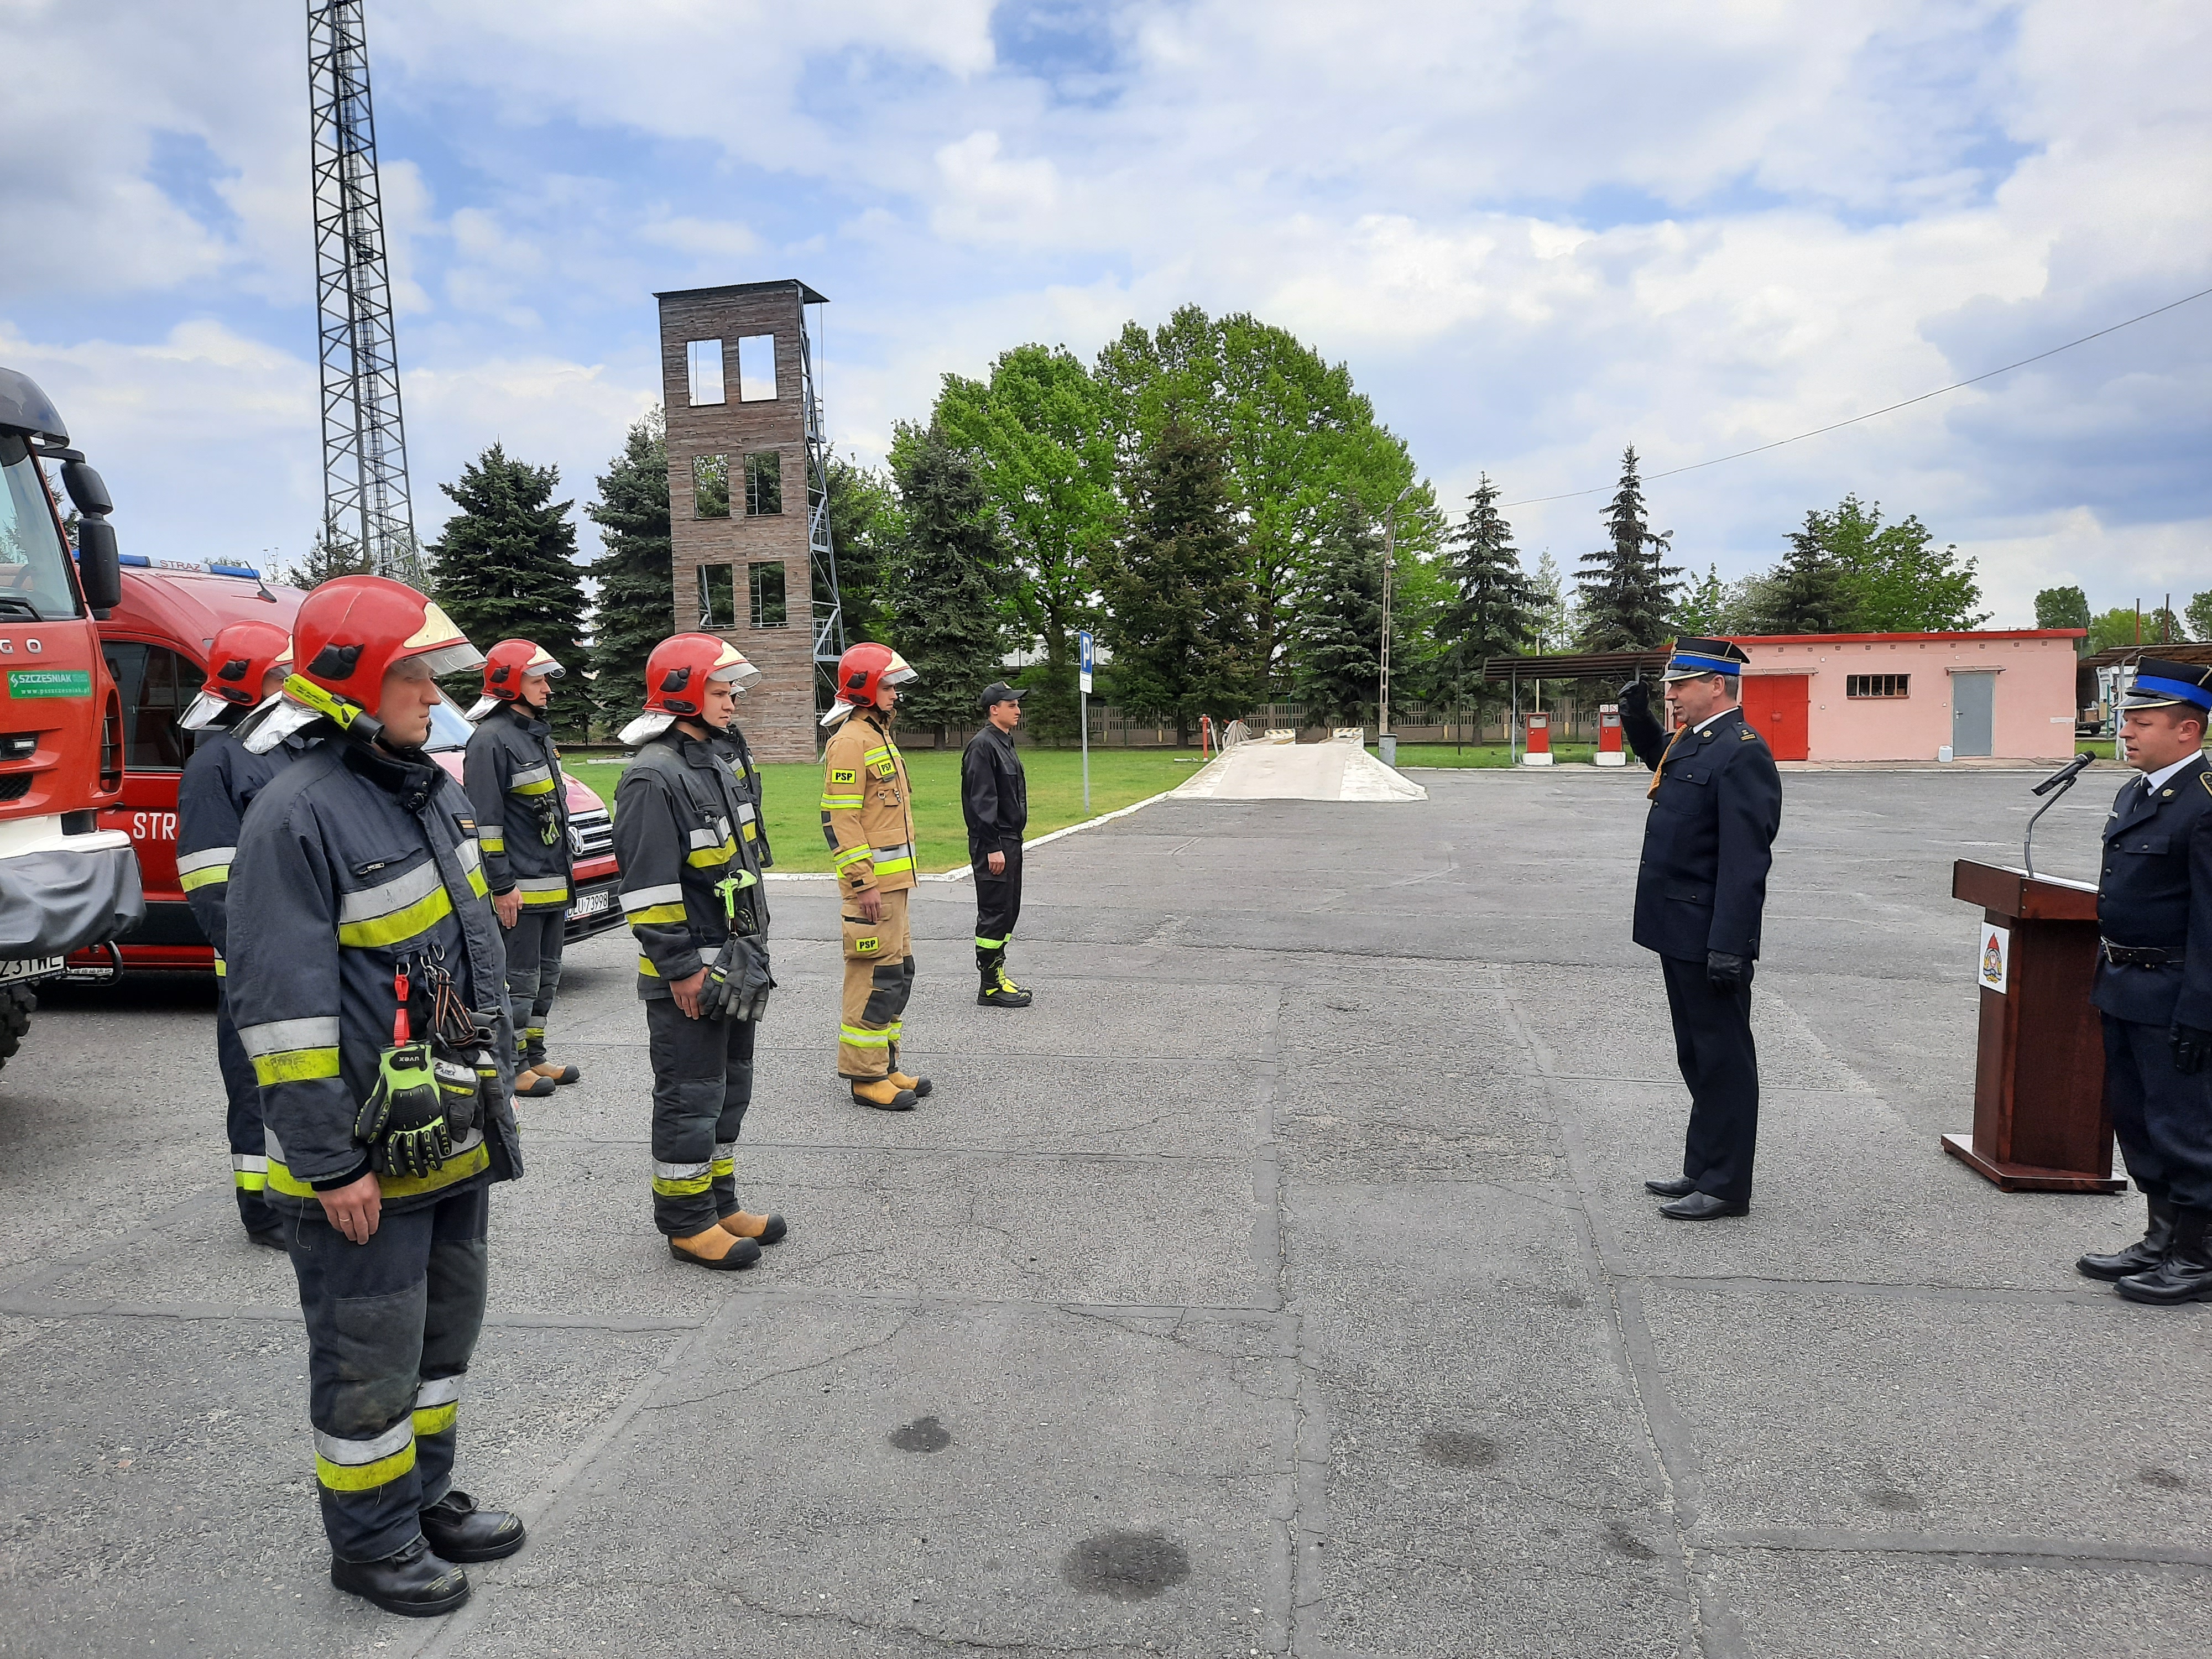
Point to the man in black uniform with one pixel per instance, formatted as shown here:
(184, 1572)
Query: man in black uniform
(246, 663)
(1700, 892)
(2153, 984)
(994, 797)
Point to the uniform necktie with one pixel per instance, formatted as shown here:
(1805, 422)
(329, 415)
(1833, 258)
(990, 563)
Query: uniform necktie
(1656, 771)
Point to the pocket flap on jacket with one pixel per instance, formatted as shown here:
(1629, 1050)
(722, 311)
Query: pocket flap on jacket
(1689, 893)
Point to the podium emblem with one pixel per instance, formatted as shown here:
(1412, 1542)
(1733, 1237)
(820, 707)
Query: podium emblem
(1997, 949)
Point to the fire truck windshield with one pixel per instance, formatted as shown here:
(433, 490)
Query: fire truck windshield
(34, 584)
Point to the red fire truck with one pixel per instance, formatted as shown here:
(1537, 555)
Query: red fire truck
(65, 881)
(155, 639)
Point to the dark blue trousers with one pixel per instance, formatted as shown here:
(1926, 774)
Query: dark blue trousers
(2162, 1120)
(249, 1148)
(1713, 1047)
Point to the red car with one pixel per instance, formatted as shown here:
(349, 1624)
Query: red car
(154, 642)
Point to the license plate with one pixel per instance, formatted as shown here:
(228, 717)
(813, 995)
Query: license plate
(591, 904)
(35, 968)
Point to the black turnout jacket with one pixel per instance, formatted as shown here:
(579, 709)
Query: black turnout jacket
(1708, 838)
(512, 774)
(687, 814)
(220, 782)
(994, 795)
(2155, 889)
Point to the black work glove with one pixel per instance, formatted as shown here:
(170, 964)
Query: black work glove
(2192, 1046)
(1635, 698)
(402, 1122)
(1724, 972)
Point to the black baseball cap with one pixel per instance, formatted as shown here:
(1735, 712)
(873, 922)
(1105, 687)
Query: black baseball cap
(998, 691)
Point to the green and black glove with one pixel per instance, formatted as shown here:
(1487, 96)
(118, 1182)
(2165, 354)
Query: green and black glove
(402, 1122)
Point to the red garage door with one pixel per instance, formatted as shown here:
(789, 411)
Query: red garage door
(1777, 705)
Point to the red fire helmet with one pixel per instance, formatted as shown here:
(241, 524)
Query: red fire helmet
(865, 667)
(352, 631)
(239, 659)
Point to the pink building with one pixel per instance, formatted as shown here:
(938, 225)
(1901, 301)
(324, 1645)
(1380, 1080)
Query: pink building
(1903, 696)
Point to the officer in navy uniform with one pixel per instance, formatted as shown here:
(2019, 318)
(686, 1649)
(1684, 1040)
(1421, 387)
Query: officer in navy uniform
(2153, 984)
(1700, 890)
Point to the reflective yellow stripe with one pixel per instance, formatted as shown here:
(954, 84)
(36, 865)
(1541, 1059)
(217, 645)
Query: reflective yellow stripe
(364, 1477)
(983, 944)
(892, 867)
(476, 884)
(192, 881)
(406, 922)
(543, 787)
(723, 1166)
(494, 839)
(220, 972)
(839, 861)
(250, 1181)
(542, 892)
(459, 1167)
(707, 857)
(434, 1420)
(645, 966)
(841, 803)
(294, 1066)
(653, 915)
(690, 1187)
(863, 1039)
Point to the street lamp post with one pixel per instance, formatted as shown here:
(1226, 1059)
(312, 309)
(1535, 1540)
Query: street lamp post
(1389, 572)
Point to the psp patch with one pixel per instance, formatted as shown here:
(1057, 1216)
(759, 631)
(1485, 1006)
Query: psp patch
(886, 769)
(866, 947)
(844, 775)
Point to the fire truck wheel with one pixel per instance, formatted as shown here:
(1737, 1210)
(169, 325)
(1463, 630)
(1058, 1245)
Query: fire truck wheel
(16, 1002)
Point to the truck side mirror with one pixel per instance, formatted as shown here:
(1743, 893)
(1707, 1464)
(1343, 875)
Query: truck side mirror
(99, 567)
(86, 490)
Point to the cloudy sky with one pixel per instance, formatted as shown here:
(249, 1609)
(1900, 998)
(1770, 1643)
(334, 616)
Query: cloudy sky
(1537, 230)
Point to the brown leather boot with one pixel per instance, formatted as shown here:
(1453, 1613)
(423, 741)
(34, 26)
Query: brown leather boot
(715, 1248)
(886, 1095)
(555, 1071)
(919, 1085)
(760, 1229)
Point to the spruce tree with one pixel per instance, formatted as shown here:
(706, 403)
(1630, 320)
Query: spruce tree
(1180, 620)
(506, 569)
(1492, 608)
(864, 531)
(946, 597)
(1809, 592)
(635, 607)
(1625, 592)
(1335, 642)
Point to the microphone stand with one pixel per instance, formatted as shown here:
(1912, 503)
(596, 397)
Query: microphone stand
(2056, 786)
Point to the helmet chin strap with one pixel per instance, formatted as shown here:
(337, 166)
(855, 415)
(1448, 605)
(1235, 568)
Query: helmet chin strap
(350, 717)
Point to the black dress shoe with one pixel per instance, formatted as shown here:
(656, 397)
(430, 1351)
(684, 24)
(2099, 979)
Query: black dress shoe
(2140, 1257)
(2186, 1274)
(1676, 1189)
(457, 1530)
(415, 1582)
(1702, 1207)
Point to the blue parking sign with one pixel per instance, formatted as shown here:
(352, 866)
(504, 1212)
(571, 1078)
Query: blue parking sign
(1082, 658)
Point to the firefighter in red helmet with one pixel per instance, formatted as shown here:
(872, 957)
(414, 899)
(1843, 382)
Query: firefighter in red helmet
(867, 818)
(368, 985)
(688, 835)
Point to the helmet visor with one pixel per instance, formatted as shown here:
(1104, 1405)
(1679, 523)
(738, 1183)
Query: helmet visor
(736, 675)
(442, 660)
(900, 671)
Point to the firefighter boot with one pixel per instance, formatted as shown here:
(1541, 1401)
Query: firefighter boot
(529, 1084)
(456, 1530)
(414, 1582)
(760, 1229)
(2140, 1257)
(552, 1071)
(2186, 1274)
(884, 1094)
(998, 991)
(920, 1085)
(715, 1248)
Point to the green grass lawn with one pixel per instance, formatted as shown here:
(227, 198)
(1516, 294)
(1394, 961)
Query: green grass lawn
(1119, 777)
(1481, 753)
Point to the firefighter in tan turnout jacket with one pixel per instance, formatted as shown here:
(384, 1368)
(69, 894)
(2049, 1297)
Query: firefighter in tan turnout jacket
(867, 818)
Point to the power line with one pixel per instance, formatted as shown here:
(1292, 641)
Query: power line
(1650, 477)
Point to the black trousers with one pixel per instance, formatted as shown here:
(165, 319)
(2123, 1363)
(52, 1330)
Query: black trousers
(249, 1147)
(2162, 1120)
(390, 1324)
(533, 975)
(998, 907)
(702, 1081)
(1713, 1046)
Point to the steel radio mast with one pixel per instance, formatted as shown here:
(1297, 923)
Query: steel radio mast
(364, 447)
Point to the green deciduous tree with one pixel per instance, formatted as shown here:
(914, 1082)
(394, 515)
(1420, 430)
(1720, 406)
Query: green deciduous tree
(865, 531)
(1490, 611)
(947, 589)
(1296, 441)
(505, 566)
(2062, 607)
(1704, 607)
(1180, 607)
(1626, 592)
(1038, 435)
(2199, 614)
(635, 607)
(1899, 582)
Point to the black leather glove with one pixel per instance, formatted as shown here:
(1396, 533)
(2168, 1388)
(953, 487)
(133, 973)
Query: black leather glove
(2192, 1046)
(1635, 698)
(1724, 972)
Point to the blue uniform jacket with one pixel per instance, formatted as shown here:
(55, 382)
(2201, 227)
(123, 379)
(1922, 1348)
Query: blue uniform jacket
(220, 782)
(2155, 889)
(1708, 840)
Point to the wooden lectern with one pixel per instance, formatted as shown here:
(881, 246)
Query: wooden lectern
(2040, 1122)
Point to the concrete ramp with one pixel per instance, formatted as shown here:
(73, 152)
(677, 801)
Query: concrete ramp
(1275, 768)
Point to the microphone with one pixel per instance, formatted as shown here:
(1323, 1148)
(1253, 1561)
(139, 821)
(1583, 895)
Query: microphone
(2065, 774)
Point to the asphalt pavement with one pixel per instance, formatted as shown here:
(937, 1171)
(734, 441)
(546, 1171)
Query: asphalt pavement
(1281, 1281)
